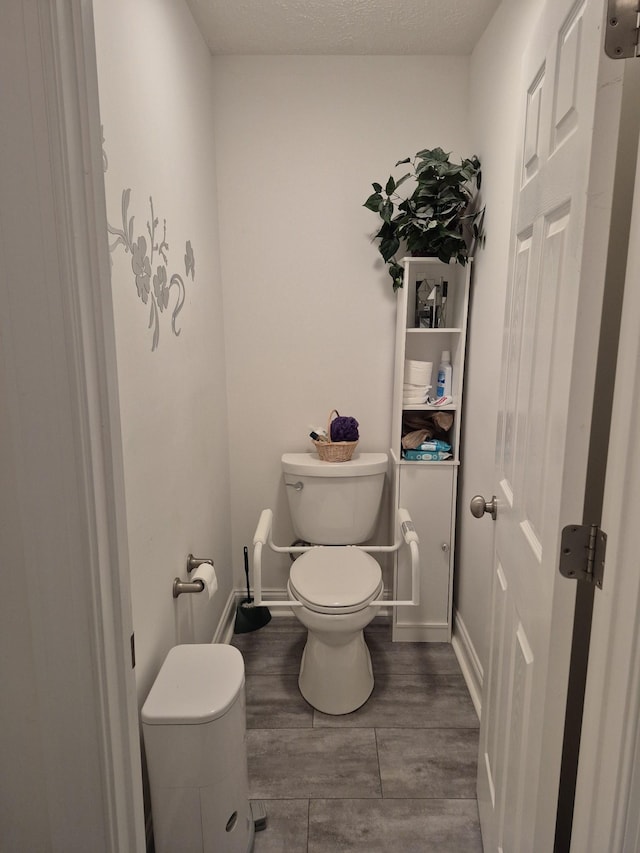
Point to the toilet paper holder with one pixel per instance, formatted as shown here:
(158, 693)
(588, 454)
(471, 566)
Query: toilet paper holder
(194, 562)
(186, 586)
(180, 586)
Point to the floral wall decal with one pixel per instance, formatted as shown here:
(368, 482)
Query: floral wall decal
(150, 263)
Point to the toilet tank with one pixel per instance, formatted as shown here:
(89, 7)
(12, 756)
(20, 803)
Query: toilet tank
(334, 503)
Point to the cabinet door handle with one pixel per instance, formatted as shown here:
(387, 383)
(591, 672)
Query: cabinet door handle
(445, 547)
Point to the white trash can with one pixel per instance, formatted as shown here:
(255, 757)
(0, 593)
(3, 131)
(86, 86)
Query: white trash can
(193, 723)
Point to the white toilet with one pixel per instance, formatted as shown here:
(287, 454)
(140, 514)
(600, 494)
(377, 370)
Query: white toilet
(335, 504)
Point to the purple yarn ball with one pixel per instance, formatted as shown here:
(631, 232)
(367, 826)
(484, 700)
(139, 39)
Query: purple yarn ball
(344, 429)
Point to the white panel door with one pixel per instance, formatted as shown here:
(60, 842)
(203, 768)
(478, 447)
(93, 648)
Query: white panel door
(607, 808)
(571, 95)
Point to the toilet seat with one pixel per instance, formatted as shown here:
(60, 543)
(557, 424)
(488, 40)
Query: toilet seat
(335, 579)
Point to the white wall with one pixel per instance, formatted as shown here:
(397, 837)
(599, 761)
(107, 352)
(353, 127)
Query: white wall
(309, 309)
(155, 103)
(494, 120)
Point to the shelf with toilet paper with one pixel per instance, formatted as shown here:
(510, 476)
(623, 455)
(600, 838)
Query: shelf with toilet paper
(427, 484)
(444, 290)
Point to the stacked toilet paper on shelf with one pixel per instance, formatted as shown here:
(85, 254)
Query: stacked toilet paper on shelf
(417, 381)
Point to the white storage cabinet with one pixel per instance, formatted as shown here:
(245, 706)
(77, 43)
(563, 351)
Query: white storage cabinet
(428, 489)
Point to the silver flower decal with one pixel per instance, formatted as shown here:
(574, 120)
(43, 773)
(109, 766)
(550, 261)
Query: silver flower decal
(141, 266)
(160, 288)
(189, 261)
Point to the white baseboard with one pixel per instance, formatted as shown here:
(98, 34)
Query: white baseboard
(431, 633)
(224, 631)
(468, 660)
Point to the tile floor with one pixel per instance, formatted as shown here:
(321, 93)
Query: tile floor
(398, 773)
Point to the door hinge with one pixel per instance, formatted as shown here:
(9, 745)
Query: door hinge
(621, 34)
(582, 551)
(133, 651)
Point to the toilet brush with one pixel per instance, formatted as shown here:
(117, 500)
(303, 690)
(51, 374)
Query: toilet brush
(248, 616)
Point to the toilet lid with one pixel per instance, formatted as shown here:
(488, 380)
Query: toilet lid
(339, 578)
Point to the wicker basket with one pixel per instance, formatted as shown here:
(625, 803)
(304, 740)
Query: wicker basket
(334, 451)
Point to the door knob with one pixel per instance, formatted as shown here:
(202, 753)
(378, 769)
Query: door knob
(479, 506)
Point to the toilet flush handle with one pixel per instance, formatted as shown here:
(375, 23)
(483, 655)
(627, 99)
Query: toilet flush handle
(298, 486)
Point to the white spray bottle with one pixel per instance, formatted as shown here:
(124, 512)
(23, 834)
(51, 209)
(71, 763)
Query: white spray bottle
(444, 376)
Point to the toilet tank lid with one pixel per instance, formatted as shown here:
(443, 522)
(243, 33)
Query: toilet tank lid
(197, 683)
(311, 465)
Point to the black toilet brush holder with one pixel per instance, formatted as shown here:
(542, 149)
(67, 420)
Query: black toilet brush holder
(248, 616)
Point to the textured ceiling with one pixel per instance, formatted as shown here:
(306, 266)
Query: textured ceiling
(354, 27)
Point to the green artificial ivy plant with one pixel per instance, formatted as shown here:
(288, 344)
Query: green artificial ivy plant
(437, 219)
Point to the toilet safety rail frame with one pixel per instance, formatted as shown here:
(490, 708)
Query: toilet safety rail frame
(407, 536)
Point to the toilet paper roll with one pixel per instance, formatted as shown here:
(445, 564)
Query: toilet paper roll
(207, 574)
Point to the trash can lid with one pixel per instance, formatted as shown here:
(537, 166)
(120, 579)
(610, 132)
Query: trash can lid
(197, 683)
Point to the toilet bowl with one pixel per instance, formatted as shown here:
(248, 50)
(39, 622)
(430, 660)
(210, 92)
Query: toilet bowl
(335, 587)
